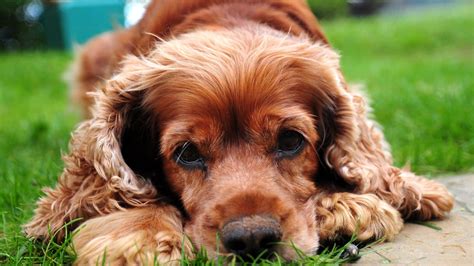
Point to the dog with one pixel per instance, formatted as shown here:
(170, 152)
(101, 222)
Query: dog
(227, 126)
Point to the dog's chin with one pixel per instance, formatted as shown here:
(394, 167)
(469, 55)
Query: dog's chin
(300, 236)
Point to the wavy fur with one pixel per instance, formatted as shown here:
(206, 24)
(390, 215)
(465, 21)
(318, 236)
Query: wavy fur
(228, 82)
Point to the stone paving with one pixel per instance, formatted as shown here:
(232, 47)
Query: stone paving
(452, 244)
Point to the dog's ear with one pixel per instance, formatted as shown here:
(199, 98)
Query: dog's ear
(140, 148)
(120, 139)
(351, 146)
(96, 177)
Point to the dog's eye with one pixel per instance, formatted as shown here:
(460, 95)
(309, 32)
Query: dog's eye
(289, 143)
(188, 155)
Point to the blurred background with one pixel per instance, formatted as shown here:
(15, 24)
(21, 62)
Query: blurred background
(33, 24)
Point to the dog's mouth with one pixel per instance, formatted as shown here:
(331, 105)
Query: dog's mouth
(266, 233)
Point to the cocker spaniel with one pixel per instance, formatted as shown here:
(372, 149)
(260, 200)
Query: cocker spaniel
(225, 125)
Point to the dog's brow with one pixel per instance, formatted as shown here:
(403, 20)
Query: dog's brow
(297, 122)
(186, 133)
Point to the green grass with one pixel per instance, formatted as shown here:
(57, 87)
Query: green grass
(417, 68)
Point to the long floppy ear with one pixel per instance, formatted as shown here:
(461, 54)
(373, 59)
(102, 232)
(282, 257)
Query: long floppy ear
(351, 147)
(345, 149)
(339, 127)
(354, 151)
(96, 178)
(352, 144)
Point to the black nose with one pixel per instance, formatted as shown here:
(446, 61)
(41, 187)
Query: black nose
(251, 236)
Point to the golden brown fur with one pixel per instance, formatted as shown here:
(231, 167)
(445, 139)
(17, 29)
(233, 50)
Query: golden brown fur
(229, 82)
(166, 18)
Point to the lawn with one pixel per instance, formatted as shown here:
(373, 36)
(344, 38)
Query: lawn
(417, 68)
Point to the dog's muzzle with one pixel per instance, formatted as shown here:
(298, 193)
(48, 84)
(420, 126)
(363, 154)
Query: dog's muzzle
(251, 236)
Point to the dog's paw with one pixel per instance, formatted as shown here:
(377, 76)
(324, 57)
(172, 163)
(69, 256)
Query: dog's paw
(427, 199)
(170, 247)
(366, 216)
(137, 248)
(142, 236)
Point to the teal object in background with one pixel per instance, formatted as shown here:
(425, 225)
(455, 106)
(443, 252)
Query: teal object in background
(76, 21)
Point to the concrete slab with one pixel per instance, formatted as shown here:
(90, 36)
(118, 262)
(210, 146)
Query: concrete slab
(451, 244)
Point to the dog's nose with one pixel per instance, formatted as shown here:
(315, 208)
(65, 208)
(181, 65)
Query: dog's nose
(250, 236)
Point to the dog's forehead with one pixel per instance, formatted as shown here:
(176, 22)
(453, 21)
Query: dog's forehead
(238, 72)
(230, 119)
(234, 79)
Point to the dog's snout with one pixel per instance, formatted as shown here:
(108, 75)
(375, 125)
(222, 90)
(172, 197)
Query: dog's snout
(251, 236)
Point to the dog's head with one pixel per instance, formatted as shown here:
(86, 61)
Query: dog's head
(236, 125)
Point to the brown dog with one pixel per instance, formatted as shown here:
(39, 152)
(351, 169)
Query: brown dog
(229, 122)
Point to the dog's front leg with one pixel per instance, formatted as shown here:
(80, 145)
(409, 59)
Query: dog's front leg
(340, 215)
(139, 236)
